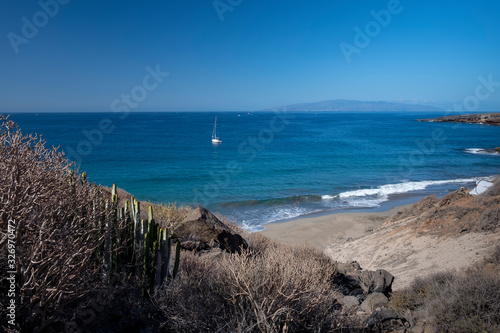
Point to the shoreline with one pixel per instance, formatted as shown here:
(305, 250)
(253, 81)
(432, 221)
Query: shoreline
(324, 230)
(287, 231)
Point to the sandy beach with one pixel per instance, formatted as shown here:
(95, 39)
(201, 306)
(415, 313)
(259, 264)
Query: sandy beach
(323, 231)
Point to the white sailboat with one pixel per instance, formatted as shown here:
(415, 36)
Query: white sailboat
(215, 139)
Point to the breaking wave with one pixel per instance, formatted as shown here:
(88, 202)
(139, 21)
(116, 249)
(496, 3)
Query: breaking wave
(482, 151)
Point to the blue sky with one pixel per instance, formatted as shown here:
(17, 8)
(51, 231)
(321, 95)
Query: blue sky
(243, 55)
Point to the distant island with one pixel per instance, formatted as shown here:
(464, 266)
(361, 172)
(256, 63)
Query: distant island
(352, 105)
(479, 118)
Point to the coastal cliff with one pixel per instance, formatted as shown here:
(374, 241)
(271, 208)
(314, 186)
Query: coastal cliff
(480, 118)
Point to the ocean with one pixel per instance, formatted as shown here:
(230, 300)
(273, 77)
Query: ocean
(273, 166)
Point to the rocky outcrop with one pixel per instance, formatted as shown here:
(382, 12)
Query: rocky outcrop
(379, 281)
(353, 280)
(349, 301)
(480, 118)
(457, 212)
(202, 230)
(366, 296)
(374, 301)
(380, 317)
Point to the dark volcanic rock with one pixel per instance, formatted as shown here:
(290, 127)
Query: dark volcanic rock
(374, 301)
(202, 230)
(379, 281)
(378, 318)
(480, 118)
(347, 284)
(349, 301)
(352, 280)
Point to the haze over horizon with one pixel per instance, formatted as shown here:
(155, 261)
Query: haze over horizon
(237, 55)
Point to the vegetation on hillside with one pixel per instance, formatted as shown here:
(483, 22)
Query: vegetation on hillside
(60, 248)
(461, 303)
(64, 241)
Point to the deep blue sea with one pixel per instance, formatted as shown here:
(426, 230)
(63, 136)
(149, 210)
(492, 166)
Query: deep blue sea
(273, 166)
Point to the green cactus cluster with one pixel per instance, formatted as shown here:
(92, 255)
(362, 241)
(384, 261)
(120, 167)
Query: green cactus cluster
(138, 246)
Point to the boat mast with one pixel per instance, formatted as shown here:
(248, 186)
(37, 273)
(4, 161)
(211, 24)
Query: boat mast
(214, 134)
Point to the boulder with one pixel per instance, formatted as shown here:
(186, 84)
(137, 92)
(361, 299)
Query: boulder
(453, 196)
(349, 301)
(378, 318)
(348, 285)
(202, 230)
(374, 301)
(379, 281)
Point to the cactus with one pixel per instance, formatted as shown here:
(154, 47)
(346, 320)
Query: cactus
(177, 258)
(157, 268)
(140, 245)
(166, 248)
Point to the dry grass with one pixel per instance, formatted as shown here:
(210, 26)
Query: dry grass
(279, 289)
(168, 215)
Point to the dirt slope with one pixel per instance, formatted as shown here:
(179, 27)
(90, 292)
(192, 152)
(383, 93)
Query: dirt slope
(433, 235)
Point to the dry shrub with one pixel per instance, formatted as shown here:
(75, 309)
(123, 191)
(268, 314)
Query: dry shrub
(281, 289)
(494, 257)
(468, 303)
(56, 216)
(168, 215)
(258, 242)
(284, 289)
(193, 302)
(422, 289)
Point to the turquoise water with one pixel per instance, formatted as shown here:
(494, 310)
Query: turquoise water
(272, 166)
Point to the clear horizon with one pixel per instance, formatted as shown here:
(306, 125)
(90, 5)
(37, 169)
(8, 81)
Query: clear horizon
(237, 55)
